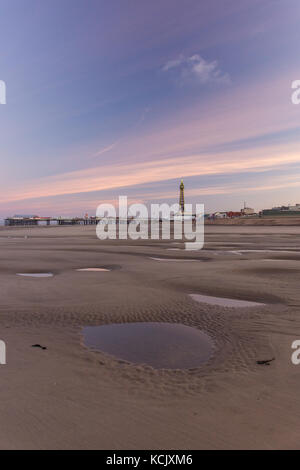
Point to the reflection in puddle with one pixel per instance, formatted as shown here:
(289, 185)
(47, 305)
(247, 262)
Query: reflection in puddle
(228, 244)
(207, 299)
(93, 269)
(160, 345)
(275, 259)
(267, 251)
(35, 274)
(172, 259)
(227, 252)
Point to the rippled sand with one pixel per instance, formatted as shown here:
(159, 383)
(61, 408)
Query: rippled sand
(68, 396)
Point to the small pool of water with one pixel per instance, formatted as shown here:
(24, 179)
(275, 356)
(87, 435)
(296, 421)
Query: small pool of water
(280, 260)
(268, 251)
(224, 302)
(227, 252)
(160, 345)
(172, 259)
(35, 274)
(93, 269)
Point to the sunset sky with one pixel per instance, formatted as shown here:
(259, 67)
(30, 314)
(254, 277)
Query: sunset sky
(126, 97)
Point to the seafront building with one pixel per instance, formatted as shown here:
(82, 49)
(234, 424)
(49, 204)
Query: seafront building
(282, 211)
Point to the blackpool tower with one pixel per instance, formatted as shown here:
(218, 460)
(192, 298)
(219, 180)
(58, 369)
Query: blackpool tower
(181, 197)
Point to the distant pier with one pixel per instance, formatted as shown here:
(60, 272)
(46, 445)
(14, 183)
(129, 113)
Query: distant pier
(47, 221)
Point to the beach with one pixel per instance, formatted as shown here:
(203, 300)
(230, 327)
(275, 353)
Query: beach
(68, 396)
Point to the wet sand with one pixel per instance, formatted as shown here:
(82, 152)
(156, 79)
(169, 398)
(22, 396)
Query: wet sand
(68, 396)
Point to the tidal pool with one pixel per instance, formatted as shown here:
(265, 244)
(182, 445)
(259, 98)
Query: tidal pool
(268, 251)
(160, 345)
(35, 274)
(172, 259)
(224, 302)
(93, 269)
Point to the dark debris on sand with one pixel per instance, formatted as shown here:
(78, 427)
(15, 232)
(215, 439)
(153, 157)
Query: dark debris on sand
(265, 362)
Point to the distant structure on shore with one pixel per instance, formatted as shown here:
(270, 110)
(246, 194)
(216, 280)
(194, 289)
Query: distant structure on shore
(181, 197)
(247, 210)
(182, 214)
(282, 211)
(33, 220)
(244, 212)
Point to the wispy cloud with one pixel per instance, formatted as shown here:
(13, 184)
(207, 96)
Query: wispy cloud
(116, 176)
(196, 67)
(104, 150)
(173, 63)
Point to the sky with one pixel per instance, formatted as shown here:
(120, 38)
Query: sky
(126, 97)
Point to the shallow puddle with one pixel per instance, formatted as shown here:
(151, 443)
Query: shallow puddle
(172, 259)
(93, 269)
(267, 251)
(160, 345)
(35, 274)
(227, 252)
(275, 259)
(224, 302)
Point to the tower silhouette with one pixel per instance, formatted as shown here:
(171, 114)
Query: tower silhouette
(181, 197)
